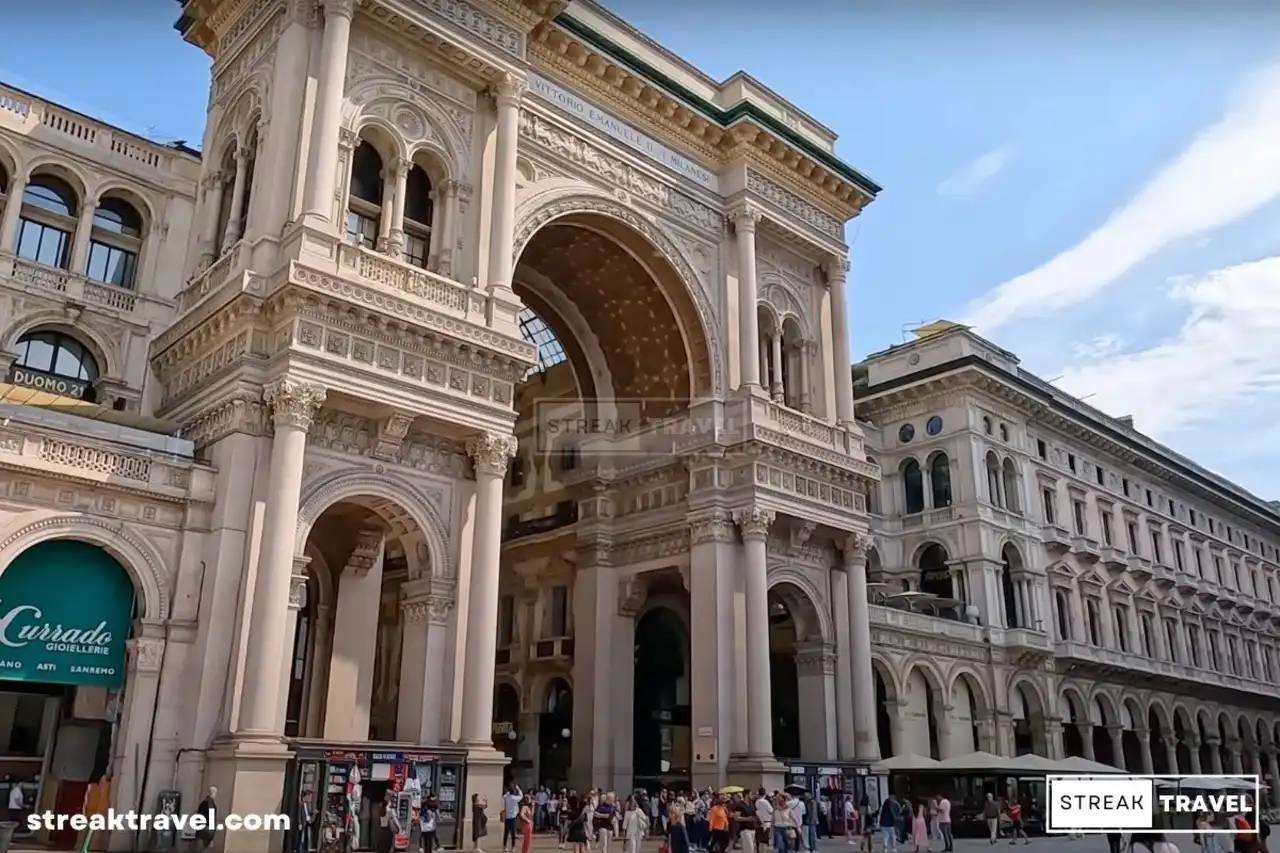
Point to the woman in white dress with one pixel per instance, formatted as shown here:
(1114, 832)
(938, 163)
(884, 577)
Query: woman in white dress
(634, 826)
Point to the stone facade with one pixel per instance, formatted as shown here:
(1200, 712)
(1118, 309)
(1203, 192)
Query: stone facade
(1122, 602)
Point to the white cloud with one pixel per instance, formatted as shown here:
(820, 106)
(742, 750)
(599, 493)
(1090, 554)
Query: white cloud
(1228, 171)
(1226, 353)
(974, 175)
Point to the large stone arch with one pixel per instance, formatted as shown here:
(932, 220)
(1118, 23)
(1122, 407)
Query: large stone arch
(885, 669)
(138, 557)
(1164, 717)
(561, 201)
(1073, 705)
(805, 604)
(932, 677)
(976, 685)
(364, 482)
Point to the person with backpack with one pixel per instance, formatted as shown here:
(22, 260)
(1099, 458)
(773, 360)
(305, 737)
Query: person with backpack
(890, 816)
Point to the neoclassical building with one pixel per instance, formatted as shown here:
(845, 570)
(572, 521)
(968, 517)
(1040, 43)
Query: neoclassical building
(1075, 588)
(474, 403)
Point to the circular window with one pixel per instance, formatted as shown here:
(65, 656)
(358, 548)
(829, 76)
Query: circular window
(934, 425)
(907, 433)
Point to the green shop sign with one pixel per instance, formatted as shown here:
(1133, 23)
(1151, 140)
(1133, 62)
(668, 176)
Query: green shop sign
(65, 608)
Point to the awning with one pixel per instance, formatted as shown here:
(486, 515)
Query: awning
(908, 761)
(978, 762)
(18, 395)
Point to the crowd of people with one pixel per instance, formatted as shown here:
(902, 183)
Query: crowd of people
(779, 821)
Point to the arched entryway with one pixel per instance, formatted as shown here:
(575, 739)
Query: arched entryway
(801, 674)
(1030, 723)
(886, 707)
(506, 724)
(921, 710)
(662, 734)
(555, 734)
(66, 675)
(1077, 725)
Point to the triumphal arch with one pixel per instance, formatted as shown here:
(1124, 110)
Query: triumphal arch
(520, 348)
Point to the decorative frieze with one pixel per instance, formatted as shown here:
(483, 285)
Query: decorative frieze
(391, 434)
(808, 487)
(367, 553)
(356, 436)
(714, 526)
(482, 25)
(792, 204)
(243, 412)
(816, 659)
(615, 173)
(144, 654)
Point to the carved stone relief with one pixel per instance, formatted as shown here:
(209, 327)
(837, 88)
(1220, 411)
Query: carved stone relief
(792, 204)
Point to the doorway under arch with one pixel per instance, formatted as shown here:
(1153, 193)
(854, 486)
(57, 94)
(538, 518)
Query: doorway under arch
(555, 734)
(662, 741)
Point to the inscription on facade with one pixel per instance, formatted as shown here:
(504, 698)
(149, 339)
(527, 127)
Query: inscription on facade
(620, 131)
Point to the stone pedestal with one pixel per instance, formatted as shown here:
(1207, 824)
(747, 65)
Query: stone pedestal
(752, 773)
(484, 777)
(249, 774)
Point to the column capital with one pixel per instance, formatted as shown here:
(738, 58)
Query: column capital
(715, 526)
(339, 8)
(754, 522)
(856, 546)
(744, 218)
(243, 155)
(508, 90)
(293, 403)
(816, 659)
(144, 654)
(297, 590)
(836, 267)
(432, 609)
(451, 188)
(491, 452)
(367, 553)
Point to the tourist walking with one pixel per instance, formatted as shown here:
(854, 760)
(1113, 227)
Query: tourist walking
(890, 814)
(479, 820)
(920, 830)
(634, 826)
(525, 818)
(510, 812)
(991, 814)
(944, 824)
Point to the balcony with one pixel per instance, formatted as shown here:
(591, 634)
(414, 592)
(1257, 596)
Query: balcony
(1025, 646)
(565, 514)
(558, 648)
(1086, 548)
(1055, 538)
(1139, 566)
(1114, 558)
(1138, 669)
(1185, 581)
(1163, 574)
(80, 290)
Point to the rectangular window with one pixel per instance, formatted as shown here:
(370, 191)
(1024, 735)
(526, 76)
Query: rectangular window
(1218, 577)
(1050, 513)
(416, 250)
(1041, 450)
(1100, 475)
(1157, 555)
(1148, 635)
(1077, 507)
(1171, 639)
(1150, 499)
(1191, 515)
(1095, 623)
(1193, 645)
(42, 243)
(1121, 616)
(1250, 656)
(111, 265)
(506, 620)
(1215, 652)
(1071, 462)
(1173, 510)
(555, 619)
(1233, 657)
(1132, 528)
(1106, 528)
(362, 230)
(1177, 554)
(1267, 662)
(1124, 485)
(1199, 562)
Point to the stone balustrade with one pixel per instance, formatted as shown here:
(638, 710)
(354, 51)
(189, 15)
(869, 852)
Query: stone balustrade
(77, 288)
(1139, 665)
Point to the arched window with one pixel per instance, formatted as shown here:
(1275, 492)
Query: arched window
(364, 204)
(4, 186)
(1009, 476)
(986, 425)
(1009, 591)
(994, 493)
(935, 575)
(940, 480)
(913, 486)
(47, 221)
(55, 362)
(1004, 432)
(419, 208)
(114, 243)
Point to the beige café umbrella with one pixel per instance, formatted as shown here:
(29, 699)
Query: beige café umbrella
(905, 763)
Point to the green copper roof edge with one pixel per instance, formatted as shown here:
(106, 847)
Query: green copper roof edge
(724, 118)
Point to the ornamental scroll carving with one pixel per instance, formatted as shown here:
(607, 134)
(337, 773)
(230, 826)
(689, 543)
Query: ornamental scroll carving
(432, 609)
(297, 591)
(491, 453)
(754, 523)
(293, 403)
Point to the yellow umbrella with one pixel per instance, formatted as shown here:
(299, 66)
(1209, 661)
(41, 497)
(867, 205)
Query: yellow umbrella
(732, 789)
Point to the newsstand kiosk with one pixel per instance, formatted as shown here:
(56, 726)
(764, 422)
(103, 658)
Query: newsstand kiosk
(834, 781)
(343, 786)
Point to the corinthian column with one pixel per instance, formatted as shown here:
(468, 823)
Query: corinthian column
(491, 453)
(322, 158)
(837, 270)
(866, 743)
(294, 404)
(507, 93)
(744, 225)
(754, 523)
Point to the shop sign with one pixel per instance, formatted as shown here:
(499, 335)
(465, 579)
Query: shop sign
(65, 608)
(60, 385)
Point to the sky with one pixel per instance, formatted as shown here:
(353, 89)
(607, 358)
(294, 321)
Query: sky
(1091, 184)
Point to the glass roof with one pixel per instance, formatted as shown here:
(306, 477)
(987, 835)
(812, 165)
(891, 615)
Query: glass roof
(536, 331)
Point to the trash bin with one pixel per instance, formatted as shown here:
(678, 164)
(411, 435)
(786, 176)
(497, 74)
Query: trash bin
(7, 828)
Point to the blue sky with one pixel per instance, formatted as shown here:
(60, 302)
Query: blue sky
(1092, 184)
